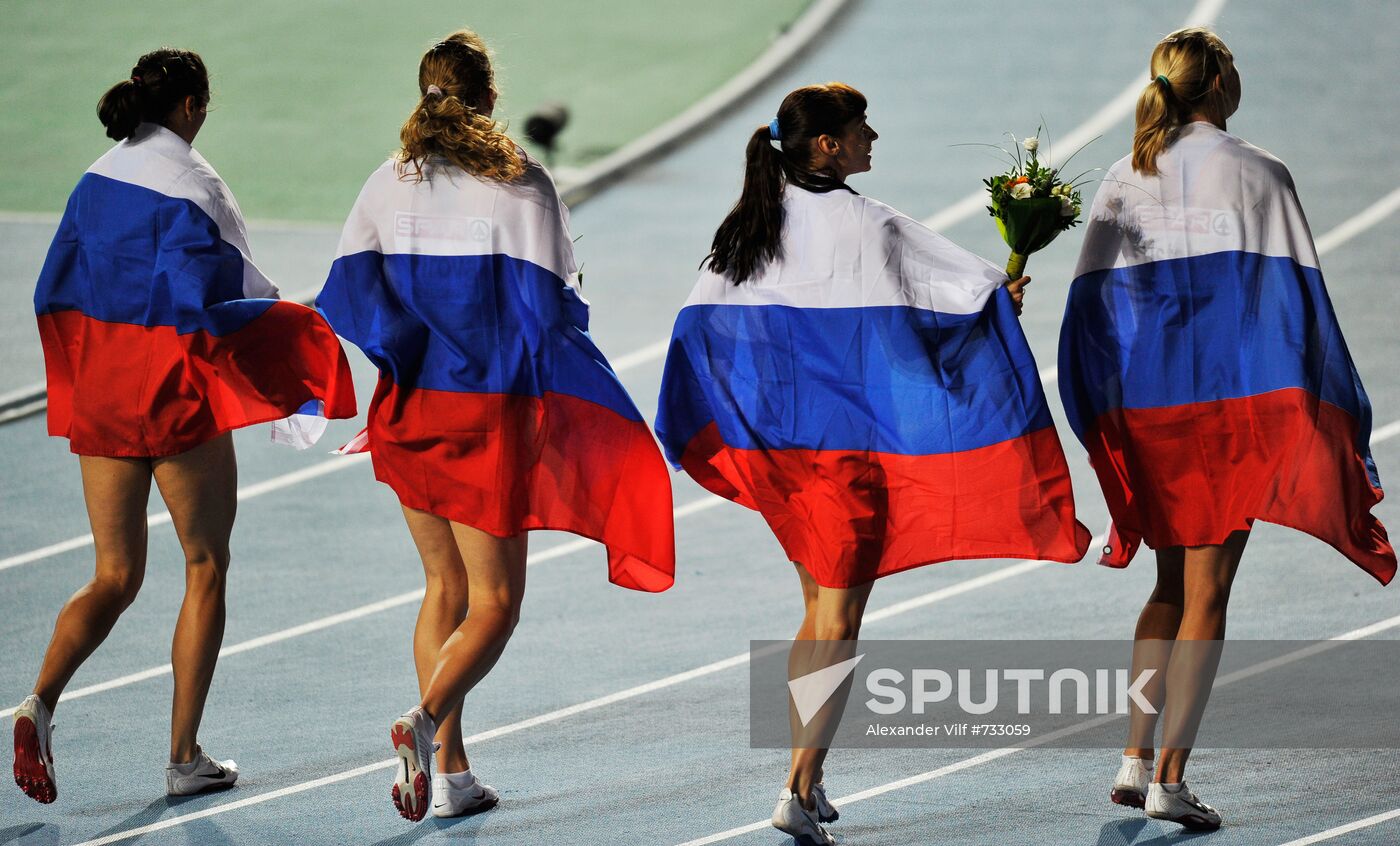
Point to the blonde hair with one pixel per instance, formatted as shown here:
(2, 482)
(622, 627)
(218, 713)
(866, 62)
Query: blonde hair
(1185, 68)
(451, 120)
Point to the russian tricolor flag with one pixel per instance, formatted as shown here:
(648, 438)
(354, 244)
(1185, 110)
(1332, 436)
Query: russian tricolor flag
(494, 407)
(1202, 365)
(159, 332)
(873, 396)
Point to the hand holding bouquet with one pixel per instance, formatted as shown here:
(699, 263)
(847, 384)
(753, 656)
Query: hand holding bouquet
(1031, 204)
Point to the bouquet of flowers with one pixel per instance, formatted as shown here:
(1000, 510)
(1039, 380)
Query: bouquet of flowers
(1031, 203)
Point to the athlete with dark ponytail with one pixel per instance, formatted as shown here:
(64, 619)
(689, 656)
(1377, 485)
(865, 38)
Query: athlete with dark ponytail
(160, 337)
(864, 384)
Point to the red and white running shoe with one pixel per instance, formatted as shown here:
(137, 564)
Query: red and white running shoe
(33, 750)
(412, 737)
(1130, 785)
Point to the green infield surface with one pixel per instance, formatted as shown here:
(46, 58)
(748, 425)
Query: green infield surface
(308, 96)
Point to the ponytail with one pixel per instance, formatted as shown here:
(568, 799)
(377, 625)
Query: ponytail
(160, 81)
(443, 125)
(1156, 122)
(751, 235)
(452, 118)
(1191, 68)
(120, 109)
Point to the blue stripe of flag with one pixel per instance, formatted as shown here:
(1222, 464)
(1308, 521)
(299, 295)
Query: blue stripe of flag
(889, 379)
(470, 324)
(1210, 327)
(128, 254)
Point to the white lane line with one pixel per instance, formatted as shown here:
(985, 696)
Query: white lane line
(1385, 432)
(160, 519)
(739, 660)
(556, 551)
(1120, 107)
(636, 358)
(21, 393)
(1375, 213)
(246, 645)
(1067, 731)
(1331, 833)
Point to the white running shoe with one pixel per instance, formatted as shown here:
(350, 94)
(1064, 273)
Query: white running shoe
(34, 750)
(1130, 785)
(461, 795)
(412, 737)
(826, 812)
(199, 775)
(1181, 807)
(793, 819)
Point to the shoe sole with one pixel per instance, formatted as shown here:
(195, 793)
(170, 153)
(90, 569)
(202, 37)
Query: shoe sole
(411, 791)
(1194, 822)
(31, 771)
(1127, 798)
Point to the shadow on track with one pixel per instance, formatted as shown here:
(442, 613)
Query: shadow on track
(1125, 832)
(455, 829)
(20, 832)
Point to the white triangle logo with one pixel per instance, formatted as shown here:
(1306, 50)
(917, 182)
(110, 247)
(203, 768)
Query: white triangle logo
(810, 692)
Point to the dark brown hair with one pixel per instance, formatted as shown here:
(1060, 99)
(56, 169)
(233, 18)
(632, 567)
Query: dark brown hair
(452, 122)
(751, 235)
(160, 82)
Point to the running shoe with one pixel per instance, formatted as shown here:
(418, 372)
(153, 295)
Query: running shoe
(461, 795)
(412, 737)
(34, 750)
(1130, 785)
(792, 819)
(1181, 807)
(826, 812)
(199, 775)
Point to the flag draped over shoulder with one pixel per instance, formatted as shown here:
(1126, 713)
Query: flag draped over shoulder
(159, 332)
(872, 395)
(1201, 362)
(494, 408)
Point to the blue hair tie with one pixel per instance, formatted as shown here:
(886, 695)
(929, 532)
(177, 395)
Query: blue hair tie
(773, 130)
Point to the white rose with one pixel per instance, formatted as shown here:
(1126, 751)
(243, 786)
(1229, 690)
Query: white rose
(1022, 191)
(1031, 144)
(1066, 206)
